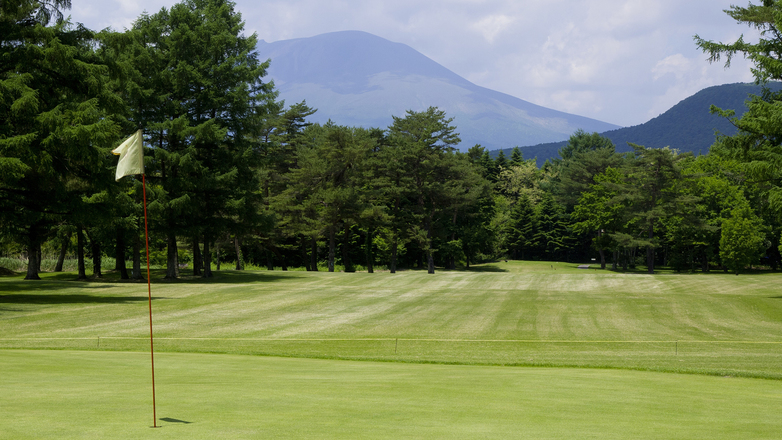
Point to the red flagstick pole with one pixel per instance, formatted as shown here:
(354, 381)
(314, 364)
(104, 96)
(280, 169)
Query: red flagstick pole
(149, 289)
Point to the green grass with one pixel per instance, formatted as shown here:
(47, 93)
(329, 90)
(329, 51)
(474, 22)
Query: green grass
(513, 314)
(507, 313)
(97, 395)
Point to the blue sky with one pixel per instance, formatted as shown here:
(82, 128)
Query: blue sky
(619, 61)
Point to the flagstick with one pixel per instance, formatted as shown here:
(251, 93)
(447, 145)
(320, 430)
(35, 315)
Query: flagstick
(149, 288)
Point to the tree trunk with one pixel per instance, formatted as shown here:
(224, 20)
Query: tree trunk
(207, 273)
(602, 253)
(332, 247)
(217, 255)
(269, 259)
(303, 250)
(63, 251)
(650, 252)
(136, 272)
(196, 257)
(96, 258)
(172, 258)
(394, 247)
(314, 254)
(80, 253)
(33, 258)
(238, 248)
(346, 250)
(369, 252)
(429, 256)
(119, 256)
(625, 260)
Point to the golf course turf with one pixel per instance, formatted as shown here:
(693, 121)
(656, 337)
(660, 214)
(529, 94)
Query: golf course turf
(75, 362)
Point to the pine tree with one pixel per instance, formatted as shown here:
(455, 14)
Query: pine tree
(198, 92)
(757, 142)
(423, 144)
(56, 121)
(521, 239)
(516, 158)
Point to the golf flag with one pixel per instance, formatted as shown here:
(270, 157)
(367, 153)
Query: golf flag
(131, 161)
(131, 156)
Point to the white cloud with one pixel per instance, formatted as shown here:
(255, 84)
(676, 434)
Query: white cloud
(615, 60)
(489, 27)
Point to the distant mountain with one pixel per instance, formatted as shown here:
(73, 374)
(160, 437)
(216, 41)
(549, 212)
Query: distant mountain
(358, 79)
(687, 126)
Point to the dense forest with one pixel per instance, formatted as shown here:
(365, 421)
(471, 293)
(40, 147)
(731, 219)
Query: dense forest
(236, 176)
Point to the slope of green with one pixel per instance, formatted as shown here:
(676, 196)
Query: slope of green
(507, 313)
(98, 395)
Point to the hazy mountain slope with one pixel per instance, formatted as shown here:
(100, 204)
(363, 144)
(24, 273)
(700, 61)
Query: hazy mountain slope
(687, 126)
(356, 78)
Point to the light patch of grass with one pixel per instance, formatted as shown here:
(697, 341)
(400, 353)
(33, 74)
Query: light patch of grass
(511, 313)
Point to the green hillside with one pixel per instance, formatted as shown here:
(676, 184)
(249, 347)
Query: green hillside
(687, 126)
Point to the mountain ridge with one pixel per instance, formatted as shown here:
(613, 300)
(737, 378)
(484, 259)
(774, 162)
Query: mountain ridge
(356, 78)
(688, 126)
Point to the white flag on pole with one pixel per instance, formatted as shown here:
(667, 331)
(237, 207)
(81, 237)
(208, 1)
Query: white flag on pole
(131, 156)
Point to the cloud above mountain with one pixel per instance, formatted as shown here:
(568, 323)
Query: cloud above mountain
(604, 59)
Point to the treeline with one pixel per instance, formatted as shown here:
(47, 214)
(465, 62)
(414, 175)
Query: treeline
(235, 175)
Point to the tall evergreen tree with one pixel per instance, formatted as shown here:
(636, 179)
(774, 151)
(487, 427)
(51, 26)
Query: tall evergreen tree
(56, 121)
(651, 195)
(198, 92)
(421, 147)
(758, 142)
(516, 158)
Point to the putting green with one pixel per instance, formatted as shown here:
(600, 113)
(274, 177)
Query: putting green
(100, 395)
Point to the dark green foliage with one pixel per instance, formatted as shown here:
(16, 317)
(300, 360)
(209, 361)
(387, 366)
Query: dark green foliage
(195, 85)
(520, 240)
(516, 156)
(56, 121)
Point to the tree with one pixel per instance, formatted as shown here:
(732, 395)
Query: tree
(516, 157)
(597, 212)
(581, 142)
(758, 142)
(577, 174)
(325, 186)
(522, 226)
(197, 89)
(57, 121)
(650, 193)
(421, 149)
(550, 235)
(741, 240)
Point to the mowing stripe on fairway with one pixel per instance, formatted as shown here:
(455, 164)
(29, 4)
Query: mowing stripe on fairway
(526, 341)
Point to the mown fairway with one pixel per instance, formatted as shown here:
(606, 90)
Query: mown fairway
(529, 314)
(509, 313)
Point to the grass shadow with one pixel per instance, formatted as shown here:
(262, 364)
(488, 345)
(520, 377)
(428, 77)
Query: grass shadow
(486, 268)
(171, 420)
(232, 277)
(70, 299)
(67, 280)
